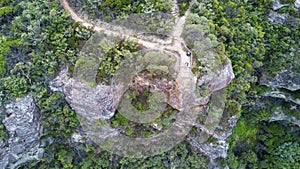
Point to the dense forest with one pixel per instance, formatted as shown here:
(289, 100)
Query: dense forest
(39, 37)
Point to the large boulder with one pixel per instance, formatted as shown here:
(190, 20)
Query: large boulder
(22, 122)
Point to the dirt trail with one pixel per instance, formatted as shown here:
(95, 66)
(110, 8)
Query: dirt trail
(144, 40)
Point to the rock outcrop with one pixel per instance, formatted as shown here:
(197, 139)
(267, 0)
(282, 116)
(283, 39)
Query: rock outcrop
(283, 85)
(22, 122)
(286, 79)
(281, 116)
(220, 80)
(93, 103)
(277, 5)
(282, 93)
(215, 73)
(212, 141)
(285, 107)
(276, 18)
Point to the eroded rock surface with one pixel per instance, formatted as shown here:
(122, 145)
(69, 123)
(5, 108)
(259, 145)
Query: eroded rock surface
(91, 102)
(276, 18)
(277, 5)
(22, 122)
(281, 92)
(219, 80)
(281, 116)
(283, 95)
(285, 107)
(213, 141)
(286, 79)
(214, 150)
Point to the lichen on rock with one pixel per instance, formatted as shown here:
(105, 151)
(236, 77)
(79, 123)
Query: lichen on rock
(23, 124)
(277, 5)
(277, 18)
(286, 79)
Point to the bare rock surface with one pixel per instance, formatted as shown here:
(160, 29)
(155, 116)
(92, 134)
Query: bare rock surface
(283, 95)
(214, 150)
(224, 122)
(277, 5)
(286, 79)
(22, 122)
(281, 116)
(276, 18)
(91, 102)
(297, 3)
(219, 80)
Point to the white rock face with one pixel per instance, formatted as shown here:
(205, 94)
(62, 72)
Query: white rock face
(77, 138)
(297, 3)
(286, 79)
(277, 5)
(276, 18)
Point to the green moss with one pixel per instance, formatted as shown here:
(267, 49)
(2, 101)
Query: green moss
(146, 133)
(5, 10)
(233, 108)
(129, 131)
(3, 133)
(168, 116)
(156, 61)
(158, 70)
(118, 119)
(140, 102)
(15, 86)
